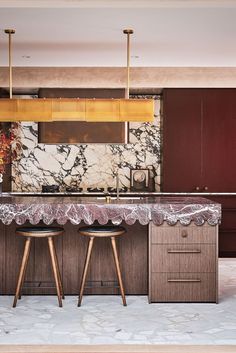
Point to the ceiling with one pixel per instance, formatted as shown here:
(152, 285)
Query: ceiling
(89, 32)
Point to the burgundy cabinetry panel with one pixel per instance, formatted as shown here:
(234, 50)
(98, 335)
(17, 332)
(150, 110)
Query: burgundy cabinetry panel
(199, 149)
(227, 230)
(199, 145)
(182, 132)
(219, 140)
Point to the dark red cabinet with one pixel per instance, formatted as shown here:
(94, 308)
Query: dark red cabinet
(199, 140)
(219, 140)
(227, 229)
(182, 120)
(199, 150)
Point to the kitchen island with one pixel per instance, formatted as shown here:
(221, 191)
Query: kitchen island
(142, 218)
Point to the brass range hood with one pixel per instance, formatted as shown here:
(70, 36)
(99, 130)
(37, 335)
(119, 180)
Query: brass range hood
(75, 109)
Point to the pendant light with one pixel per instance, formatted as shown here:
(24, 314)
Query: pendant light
(10, 32)
(75, 109)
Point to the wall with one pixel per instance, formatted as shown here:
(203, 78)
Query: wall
(92, 165)
(115, 77)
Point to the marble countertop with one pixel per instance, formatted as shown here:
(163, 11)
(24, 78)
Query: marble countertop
(171, 209)
(122, 194)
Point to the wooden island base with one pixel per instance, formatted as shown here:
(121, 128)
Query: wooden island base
(71, 250)
(183, 263)
(179, 262)
(169, 251)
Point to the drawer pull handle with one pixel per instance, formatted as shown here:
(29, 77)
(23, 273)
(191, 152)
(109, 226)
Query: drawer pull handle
(184, 280)
(184, 251)
(184, 234)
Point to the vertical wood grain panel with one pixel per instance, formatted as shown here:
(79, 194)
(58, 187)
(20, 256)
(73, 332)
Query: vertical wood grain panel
(102, 265)
(2, 258)
(42, 263)
(71, 251)
(73, 258)
(134, 259)
(14, 253)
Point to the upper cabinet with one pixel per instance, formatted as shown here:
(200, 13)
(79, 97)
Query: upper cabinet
(199, 140)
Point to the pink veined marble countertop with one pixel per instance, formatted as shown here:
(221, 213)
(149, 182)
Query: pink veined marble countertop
(62, 209)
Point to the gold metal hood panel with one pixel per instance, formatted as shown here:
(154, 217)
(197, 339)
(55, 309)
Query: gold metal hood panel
(74, 109)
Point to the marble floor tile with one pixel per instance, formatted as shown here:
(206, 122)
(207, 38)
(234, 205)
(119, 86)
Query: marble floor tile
(103, 319)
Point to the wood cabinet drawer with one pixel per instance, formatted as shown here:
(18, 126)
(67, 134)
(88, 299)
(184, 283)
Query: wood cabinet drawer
(183, 258)
(183, 287)
(179, 234)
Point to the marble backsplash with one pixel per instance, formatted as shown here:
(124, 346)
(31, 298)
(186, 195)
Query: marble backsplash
(92, 165)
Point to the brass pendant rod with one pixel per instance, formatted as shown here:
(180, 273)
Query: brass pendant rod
(10, 32)
(128, 32)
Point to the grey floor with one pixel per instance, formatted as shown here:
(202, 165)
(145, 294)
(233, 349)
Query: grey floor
(103, 320)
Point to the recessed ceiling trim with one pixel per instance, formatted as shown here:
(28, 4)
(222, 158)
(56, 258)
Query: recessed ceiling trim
(116, 3)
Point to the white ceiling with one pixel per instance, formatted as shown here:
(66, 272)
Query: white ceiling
(89, 32)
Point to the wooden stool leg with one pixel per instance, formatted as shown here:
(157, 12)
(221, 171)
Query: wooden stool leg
(54, 268)
(58, 272)
(88, 255)
(22, 270)
(113, 243)
(23, 276)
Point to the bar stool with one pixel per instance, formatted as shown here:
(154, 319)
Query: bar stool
(39, 232)
(102, 232)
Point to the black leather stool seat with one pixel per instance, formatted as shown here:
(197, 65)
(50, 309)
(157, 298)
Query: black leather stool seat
(105, 229)
(39, 231)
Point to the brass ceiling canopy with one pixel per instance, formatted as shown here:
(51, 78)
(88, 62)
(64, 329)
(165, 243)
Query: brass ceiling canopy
(75, 109)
